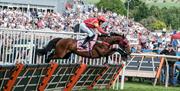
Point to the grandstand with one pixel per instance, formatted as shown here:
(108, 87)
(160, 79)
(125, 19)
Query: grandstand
(40, 5)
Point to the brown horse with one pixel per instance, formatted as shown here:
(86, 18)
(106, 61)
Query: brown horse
(103, 47)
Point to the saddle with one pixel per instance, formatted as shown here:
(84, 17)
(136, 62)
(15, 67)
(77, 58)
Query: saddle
(89, 45)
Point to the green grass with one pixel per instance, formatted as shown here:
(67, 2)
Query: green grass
(167, 4)
(134, 86)
(147, 87)
(92, 1)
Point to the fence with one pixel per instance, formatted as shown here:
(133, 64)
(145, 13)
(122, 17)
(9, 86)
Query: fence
(20, 45)
(148, 66)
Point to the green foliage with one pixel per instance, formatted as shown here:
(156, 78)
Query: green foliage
(148, 21)
(152, 17)
(153, 23)
(92, 1)
(158, 25)
(133, 4)
(154, 11)
(171, 17)
(138, 9)
(112, 5)
(161, 3)
(142, 12)
(140, 86)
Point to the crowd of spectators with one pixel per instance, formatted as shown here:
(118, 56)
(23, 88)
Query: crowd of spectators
(75, 13)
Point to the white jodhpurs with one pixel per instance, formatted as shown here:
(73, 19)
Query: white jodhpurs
(87, 30)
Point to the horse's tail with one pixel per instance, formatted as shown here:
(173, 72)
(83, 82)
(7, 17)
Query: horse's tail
(49, 47)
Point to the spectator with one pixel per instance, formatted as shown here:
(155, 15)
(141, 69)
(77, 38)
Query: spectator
(133, 49)
(169, 51)
(177, 69)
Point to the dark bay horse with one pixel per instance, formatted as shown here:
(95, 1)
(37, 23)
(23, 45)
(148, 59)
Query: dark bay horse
(64, 47)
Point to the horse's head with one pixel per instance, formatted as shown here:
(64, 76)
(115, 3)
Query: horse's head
(121, 40)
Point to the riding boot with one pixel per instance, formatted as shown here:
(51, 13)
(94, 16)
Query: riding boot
(85, 42)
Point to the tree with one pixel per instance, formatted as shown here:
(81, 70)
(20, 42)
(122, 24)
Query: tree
(171, 17)
(155, 11)
(142, 12)
(148, 21)
(133, 4)
(112, 5)
(138, 9)
(158, 25)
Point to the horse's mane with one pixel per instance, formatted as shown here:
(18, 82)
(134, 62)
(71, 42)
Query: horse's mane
(112, 34)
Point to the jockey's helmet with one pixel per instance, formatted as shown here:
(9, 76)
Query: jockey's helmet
(101, 18)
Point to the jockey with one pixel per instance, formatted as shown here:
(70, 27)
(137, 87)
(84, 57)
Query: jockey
(88, 27)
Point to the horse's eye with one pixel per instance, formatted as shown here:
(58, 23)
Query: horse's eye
(125, 42)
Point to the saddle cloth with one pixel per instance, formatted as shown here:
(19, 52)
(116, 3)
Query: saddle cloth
(89, 44)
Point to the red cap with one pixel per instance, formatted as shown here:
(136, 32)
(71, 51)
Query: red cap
(101, 18)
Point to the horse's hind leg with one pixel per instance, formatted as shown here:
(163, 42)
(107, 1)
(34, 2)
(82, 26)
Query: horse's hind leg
(56, 56)
(47, 60)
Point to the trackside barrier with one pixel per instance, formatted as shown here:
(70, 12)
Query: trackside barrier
(142, 66)
(149, 66)
(113, 59)
(19, 45)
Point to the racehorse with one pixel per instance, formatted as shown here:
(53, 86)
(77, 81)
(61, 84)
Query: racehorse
(103, 47)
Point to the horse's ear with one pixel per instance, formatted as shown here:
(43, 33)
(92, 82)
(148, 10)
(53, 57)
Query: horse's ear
(123, 35)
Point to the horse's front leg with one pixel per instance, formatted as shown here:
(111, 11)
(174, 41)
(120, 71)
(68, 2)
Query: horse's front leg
(49, 57)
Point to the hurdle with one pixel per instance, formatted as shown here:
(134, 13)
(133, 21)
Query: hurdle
(54, 76)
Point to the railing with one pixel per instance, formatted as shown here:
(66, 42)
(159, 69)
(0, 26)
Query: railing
(19, 45)
(155, 64)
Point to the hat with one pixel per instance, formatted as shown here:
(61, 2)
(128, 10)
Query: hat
(164, 30)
